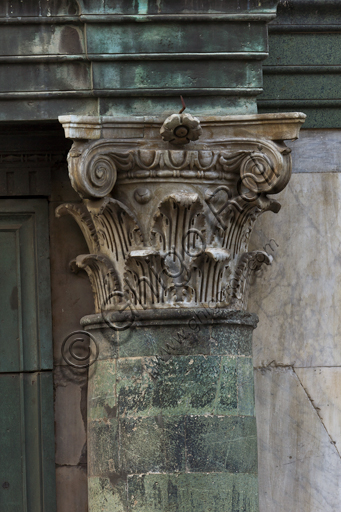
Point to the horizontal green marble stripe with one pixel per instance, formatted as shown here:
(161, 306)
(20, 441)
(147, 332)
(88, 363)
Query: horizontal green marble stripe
(162, 444)
(140, 387)
(177, 37)
(317, 117)
(48, 39)
(308, 12)
(184, 492)
(49, 107)
(183, 74)
(302, 86)
(319, 49)
(40, 77)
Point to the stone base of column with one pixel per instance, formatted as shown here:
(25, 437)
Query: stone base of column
(171, 412)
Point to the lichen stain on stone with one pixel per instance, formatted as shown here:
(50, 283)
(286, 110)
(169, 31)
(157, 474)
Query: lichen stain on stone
(116, 478)
(111, 411)
(70, 41)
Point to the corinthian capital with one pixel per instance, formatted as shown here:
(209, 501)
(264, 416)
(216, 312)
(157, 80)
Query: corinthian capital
(169, 226)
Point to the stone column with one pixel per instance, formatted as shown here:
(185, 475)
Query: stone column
(167, 211)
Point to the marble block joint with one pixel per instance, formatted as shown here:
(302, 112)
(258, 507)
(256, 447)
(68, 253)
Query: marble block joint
(167, 218)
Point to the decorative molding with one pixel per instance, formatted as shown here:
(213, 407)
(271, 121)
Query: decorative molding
(170, 228)
(179, 129)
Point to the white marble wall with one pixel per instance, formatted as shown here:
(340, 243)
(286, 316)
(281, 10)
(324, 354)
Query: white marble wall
(297, 345)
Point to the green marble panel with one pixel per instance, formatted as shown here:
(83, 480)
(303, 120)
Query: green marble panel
(304, 49)
(302, 86)
(155, 444)
(66, 76)
(213, 492)
(181, 385)
(245, 383)
(108, 494)
(176, 37)
(184, 74)
(234, 340)
(144, 341)
(47, 40)
(156, 104)
(105, 446)
(102, 390)
(167, 425)
(178, 6)
(218, 444)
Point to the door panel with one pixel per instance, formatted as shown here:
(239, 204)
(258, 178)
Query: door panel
(27, 480)
(25, 319)
(27, 468)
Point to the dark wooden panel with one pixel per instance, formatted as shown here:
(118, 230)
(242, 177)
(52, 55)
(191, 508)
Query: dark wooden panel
(27, 474)
(25, 323)
(11, 342)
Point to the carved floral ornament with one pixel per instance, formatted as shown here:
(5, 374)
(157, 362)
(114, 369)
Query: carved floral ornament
(180, 129)
(170, 228)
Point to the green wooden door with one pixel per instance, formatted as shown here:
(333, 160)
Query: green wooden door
(27, 470)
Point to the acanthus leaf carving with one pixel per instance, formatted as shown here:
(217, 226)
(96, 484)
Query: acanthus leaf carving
(170, 228)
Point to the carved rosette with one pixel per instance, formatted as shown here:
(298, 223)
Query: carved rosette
(170, 228)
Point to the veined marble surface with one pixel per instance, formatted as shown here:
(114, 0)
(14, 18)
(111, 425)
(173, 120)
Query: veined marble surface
(297, 346)
(299, 466)
(298, 298)
(324, 385)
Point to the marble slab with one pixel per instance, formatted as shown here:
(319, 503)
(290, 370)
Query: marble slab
(324, 145)
(323, 385)
(299, 466)
(298, 298)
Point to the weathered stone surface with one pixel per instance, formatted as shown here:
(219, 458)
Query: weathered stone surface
(71, 294)
(324, 145)
(186, 492)
(214, 492)
(154, 444)
(181, 385)
(172, 249)
(102, 390)
(108, 494)
(299, 466)
(145, 75)
(235, 341)
(141, 341)
(323, 386)
(72, 489)
(99, 53)
(168, 414)
(245, 378)
(299, 305)
(196, 37)
(50, 39)
(105, 447)
(45, 77)
(70, 417)
(216, 444)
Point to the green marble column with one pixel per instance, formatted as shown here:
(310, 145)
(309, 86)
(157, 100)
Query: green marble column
(167, 211)
(171, 414)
